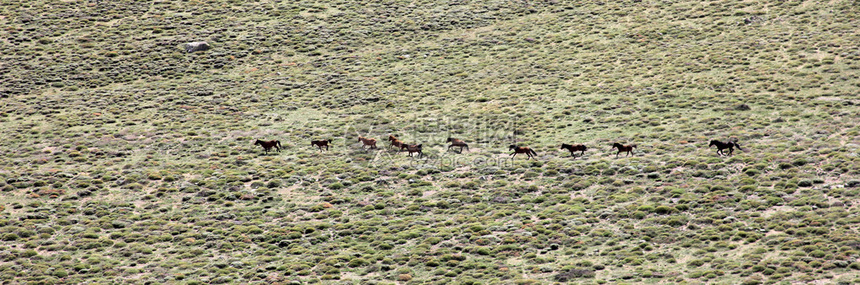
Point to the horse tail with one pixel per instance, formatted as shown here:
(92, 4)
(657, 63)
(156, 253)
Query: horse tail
(533, 152)
(739, 146)
(279, 143)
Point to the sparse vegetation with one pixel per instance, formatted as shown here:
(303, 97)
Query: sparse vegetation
(128, 160)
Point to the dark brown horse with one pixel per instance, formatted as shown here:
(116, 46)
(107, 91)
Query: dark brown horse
(413, 149)
(396, 143)
(725, 145)
(367, 142)
(573, 148)
(321, 144)
(522, 149)
(623, 148)
(267, 145)
(455, 142)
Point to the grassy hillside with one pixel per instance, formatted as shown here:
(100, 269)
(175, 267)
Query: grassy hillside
(127, 160)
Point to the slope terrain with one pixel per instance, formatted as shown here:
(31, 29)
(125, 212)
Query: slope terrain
(128, 160)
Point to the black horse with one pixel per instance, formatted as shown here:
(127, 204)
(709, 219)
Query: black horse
(321, 144)
(573, 148)
(267, 145)
(725, 145)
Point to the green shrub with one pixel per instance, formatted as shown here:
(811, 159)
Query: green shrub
(356, 262)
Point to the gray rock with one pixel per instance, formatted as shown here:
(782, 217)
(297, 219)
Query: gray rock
(196, 46)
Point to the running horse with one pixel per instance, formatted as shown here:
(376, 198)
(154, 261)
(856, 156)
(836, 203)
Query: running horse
(267, 145)
(725, 145)
(455, 142)
(321, 144)
(367, 142)
(413, 149)
(522, 149)
(396, 143)
(573, 148)
(623, 148)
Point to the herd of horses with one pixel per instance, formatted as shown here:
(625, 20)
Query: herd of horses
(370, 143)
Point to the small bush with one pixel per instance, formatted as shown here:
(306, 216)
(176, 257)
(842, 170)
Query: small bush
(358, 262)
